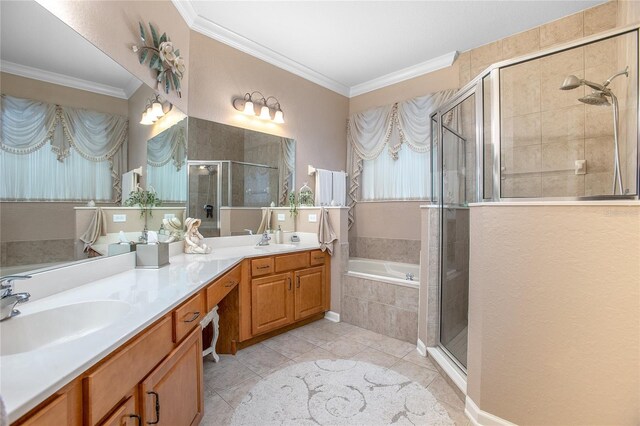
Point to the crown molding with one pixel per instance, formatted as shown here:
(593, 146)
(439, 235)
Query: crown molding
(230, 38)
(422, 68)
(211, 29)
(62, 80)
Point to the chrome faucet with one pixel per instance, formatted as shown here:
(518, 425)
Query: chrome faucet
(249, 231)
(264, 240)
(9, 299)
(410, 276)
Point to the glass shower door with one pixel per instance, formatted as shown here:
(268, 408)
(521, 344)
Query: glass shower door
(205, 189)
(458, 187)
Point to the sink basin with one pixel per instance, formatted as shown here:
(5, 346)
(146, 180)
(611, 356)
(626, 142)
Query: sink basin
(28, 332)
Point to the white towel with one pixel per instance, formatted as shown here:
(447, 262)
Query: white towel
(324, 187)
(339, 188)
(326, 236)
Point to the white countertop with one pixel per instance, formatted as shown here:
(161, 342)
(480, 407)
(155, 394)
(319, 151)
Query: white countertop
(29, 378)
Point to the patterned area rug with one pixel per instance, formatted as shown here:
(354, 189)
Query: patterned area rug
(339, 392)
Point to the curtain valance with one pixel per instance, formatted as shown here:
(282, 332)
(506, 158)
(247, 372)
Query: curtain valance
(169, 145)
(27, 125)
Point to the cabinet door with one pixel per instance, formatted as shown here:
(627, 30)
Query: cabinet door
(173, 394)
(271, 303)
(55, 413)
(125, 414)
(310, 292)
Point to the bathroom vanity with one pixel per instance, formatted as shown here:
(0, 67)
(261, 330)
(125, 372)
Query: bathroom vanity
(146, 366)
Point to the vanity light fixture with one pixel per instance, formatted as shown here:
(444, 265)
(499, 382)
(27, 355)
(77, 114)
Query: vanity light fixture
(269, 107)
(154, 110)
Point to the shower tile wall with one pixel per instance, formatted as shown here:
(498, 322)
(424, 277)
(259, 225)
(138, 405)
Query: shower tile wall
(545, 129)
(393, 250)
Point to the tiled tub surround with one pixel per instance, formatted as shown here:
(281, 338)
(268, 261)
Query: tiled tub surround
(26, 380)
(394, 250)
(381, 306)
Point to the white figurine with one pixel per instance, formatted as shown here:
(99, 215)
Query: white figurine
(174, 227)
(193, 239)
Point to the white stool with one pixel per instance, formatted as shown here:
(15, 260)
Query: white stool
(212, 317)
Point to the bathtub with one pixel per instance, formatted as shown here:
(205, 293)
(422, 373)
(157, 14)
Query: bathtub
(385, 271)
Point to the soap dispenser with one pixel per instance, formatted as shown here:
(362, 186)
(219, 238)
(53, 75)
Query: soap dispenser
(279, 235)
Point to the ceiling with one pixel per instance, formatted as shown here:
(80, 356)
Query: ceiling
(353, 47)
(56, 53)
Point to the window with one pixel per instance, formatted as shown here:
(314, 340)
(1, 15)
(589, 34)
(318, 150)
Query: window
(407, 178)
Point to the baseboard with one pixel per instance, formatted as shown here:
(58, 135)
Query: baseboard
(421, 348)
(456, 375)
(482, 418)
(332, 316)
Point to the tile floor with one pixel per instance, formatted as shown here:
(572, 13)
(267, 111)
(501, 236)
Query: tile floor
(227, 382)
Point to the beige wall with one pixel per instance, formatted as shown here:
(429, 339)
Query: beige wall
(554, 313)
(22, 87)
(315, 116)
(389, 219)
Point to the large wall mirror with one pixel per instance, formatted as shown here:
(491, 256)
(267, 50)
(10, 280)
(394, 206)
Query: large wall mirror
(70, 130)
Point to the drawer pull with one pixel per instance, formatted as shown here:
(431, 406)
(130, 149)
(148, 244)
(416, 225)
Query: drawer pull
(289, 283)
(264, 267)
(139, 423)
(194, 317)
(157, 405)
(230, 284)
(318, 257)
(298, 282)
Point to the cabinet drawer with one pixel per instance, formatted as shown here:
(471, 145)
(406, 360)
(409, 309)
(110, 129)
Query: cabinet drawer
(54, 413)
(222, 286)
(317, 258)
(262, 266)
(106, 385)
(292, 261)
(188, 316)
(125, 415)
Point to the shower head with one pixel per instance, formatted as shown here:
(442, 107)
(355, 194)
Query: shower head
(595, 98)
(571, 82)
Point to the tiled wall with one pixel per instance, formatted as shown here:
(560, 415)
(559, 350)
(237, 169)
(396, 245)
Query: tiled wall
(385, 308)
(544, 129)
(393, 250)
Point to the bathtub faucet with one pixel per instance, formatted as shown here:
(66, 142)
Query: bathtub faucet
(410, 276)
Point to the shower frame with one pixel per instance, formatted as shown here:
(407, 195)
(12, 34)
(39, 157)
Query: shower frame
(476, 87)
(493, 74)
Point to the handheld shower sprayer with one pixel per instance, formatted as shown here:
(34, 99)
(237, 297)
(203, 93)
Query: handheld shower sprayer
(599, 97)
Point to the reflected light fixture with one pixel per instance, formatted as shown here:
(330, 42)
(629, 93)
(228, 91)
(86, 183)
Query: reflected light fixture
(154, 110)
(269, 107)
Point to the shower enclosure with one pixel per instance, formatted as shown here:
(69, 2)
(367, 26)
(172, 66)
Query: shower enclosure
(539, 127)
(216, 184)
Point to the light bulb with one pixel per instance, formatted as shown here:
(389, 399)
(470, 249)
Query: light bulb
(157, 109)
(146, 120)
(248, 108)
(279, 117)
(264, 113)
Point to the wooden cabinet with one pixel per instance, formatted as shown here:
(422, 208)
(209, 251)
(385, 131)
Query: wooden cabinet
(173, 394)
(310, 292)
(54, 413)
(290, 291)
(271, 303)
(188, 316)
